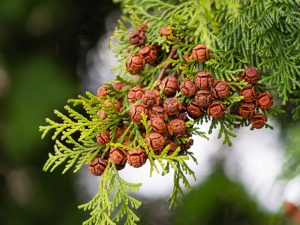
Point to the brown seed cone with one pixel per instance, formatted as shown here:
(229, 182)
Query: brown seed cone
(204, 80)
(265, 100)
(194, 111)
(200, 53)
(203, 98)
(221, 89)
(102, 114)
(151, 98)
(126, 142)
(118, 86)
(158, 125)
(187, 58)
(258, 120)
(120, 131)
(135, 93)
(136, 113)
(156, 141)
(246, 109)
(117, 104)
(290, 208)
(103, 137)
(137, 157)
(101, 92)
(188, 88)
(118, 156)
(187, 146)
(177, 127)
(251, 75)
(216, 110)
(150, 54)
(165, 31)
(172, 106)
(158, 111)
(138, 37)
(169, 85)
(248, 93)
(97, 166)
(135, 63)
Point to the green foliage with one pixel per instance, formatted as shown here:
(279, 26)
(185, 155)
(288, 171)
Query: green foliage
(112, 197)
(265, 35)
(196, 16)
(241, 34)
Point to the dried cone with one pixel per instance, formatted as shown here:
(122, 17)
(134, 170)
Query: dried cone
(158, 111)
(200, 53)
(158, 125)
(150, 54)
(135, 93)
(136, 113)
(126, 142)
(97, 166)
(177, 127)
(265, 100)
(194, 111)
(187, 58)
(118, 156)
(188, 88)
(290, 208)
(136, 157)
(165, 31)
(251, 75)
(151, 98)
(116, 105)
(172, 106)
(169, 85)
(103, 137)
(120, 131)
(246, 109)
(221, 89)
(135, 63)
(156, 141)
(138, 37)
(118, 86)
(187, 145)
(101, 92)
(204, 80)
(102, 114)
(216, 110)
(203, 98)
(248, 93)
(258, 120)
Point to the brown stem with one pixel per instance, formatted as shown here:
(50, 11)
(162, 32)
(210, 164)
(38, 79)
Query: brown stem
(165, 66)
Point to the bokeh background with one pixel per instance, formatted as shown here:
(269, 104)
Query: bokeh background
(52, 50)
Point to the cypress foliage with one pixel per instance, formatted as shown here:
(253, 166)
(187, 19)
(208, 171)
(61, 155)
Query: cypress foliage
(240, 34)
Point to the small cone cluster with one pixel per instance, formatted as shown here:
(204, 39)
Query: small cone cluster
(254, 103)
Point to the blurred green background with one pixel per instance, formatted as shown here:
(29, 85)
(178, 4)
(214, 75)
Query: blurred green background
(43, 45)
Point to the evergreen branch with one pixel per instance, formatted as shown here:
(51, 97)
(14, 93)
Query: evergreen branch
(226, 126)
(77, 155)
(112, 197)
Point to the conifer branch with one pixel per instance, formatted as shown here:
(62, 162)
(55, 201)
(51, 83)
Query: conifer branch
(112, 197)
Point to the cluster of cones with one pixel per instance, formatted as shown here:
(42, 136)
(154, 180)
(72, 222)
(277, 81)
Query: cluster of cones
(173, 102)
(253, 101)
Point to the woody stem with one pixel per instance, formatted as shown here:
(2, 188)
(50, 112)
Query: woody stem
(166, 65)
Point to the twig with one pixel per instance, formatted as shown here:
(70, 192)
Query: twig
(165, 66)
